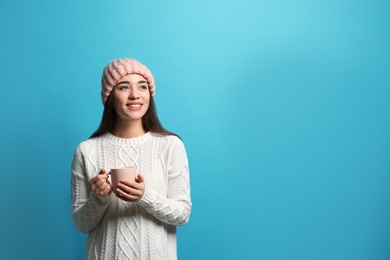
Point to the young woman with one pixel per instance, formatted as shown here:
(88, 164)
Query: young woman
(138, 220)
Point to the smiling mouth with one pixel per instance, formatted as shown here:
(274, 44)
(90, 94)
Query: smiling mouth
(134, 105)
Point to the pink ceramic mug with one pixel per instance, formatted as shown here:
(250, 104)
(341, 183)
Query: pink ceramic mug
(126, 173)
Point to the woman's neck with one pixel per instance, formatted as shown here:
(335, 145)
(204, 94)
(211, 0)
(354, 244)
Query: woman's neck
(128, 129)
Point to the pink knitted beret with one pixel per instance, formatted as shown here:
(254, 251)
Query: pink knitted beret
(119, 68)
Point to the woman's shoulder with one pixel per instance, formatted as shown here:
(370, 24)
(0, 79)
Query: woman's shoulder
(169, 144)
(167, 138)
(89, 144)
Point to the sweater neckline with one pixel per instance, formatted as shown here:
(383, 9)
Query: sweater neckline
(128, 141)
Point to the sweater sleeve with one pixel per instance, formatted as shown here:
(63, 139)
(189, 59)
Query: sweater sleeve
(175, 208)
(87, 208)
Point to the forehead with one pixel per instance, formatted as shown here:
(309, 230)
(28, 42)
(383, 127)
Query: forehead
(132, 78)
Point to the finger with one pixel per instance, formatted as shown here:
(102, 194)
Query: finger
(106, 190)
(124, 187)
(123, 194)
(130, 187)
(101, 185)
(140, 178)
(102, 175)
(96, 179)
(103, 193)
(94, 183)
(130, 190)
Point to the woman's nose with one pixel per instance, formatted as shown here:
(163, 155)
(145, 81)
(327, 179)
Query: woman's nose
(133, 94)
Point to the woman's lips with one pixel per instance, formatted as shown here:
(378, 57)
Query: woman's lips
(134, 106)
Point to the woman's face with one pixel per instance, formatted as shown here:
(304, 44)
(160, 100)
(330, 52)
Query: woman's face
(131, 97)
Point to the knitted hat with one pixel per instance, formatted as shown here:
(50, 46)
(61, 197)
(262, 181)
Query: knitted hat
(119, 68)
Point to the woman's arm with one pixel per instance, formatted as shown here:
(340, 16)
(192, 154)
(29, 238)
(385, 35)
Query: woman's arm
(88, 208)
(175, 208)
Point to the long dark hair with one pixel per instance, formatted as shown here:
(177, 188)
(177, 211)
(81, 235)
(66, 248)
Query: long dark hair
(150, 121)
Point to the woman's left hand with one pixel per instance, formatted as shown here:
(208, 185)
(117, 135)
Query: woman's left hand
(131, 191)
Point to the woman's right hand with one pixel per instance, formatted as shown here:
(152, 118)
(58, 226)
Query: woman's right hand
(100, 184)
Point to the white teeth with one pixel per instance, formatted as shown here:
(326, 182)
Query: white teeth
(134, 105)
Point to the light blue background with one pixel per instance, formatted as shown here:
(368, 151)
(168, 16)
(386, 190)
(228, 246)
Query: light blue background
(283, 107)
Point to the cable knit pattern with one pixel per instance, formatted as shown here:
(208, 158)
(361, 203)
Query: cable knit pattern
(124, 230)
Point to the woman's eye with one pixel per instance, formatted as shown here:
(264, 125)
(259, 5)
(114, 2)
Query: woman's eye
(143, 87)
(123, 87)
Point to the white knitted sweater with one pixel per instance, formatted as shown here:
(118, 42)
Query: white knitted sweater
(125, 230)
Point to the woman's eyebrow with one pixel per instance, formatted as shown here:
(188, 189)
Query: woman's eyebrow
(127, 82)
(123, 82)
